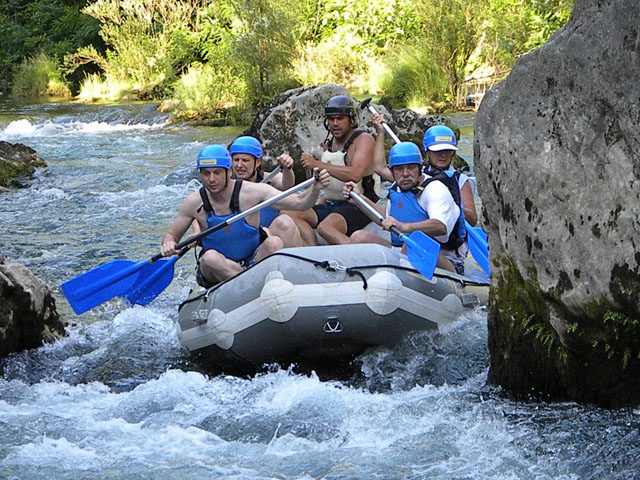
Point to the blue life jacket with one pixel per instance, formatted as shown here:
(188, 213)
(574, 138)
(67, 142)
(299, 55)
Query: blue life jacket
(268, 215)
(237, 241)
(405, 207)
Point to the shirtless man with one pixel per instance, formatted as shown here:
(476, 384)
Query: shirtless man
(226, 252)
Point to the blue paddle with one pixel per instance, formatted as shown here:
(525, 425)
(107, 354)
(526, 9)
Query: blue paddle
(143, 281)
(478, 246)
(422, 250)
(153, 279)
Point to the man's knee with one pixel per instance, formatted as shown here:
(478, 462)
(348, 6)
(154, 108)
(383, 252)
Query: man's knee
(359, 236)
(283, 223)
(212, 259)
(332, 223)
(272, 244)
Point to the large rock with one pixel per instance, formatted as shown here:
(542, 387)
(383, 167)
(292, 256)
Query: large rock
(293, 122)
(557, 156)
(17, 161)
(28, 315)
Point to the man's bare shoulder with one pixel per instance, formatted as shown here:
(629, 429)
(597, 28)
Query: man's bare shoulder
(364, 138)
(191, 203)
(256, 192)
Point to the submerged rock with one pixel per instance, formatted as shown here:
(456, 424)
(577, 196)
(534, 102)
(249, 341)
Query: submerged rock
(557, 155)
(28, 315)
(293, 122)
(17, 161)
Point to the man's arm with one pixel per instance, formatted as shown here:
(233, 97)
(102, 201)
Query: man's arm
(178, 228)
(285, 179)
(468, 204)
(379, 161)
(259, 192)
(437, 201)
(432, 227)
(361, 164)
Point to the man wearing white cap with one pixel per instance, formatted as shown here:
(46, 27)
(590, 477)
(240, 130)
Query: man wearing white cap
(439, 144)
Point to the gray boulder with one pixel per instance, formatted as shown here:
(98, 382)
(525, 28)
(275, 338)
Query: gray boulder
(17, 161)
(28, 315)
(557, 159)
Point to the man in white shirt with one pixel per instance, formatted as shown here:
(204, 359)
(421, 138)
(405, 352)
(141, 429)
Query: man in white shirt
(418, 201)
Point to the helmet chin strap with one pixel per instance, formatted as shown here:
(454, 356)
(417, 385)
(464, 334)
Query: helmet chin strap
(253, 172)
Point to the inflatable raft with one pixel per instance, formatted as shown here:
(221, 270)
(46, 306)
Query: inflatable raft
(312, 304)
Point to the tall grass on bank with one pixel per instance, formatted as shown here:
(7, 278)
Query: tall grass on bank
(412, 78)
(39, 76)
(204, 91)
(95, 88)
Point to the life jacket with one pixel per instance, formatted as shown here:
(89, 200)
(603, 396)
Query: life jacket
(405, 207)
(461, 178)
(334, 190)
(267, 214)
(237, 241)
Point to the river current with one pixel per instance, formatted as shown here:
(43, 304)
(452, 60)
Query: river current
(119, 399)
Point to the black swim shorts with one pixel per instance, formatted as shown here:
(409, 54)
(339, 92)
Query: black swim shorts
(355, 218)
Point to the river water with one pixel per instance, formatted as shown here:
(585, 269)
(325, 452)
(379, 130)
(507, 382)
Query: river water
(118, 398)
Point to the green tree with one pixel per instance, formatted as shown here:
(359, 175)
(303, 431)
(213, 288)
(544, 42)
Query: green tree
(451, 30)
(52, 27)
(148, 41)
(515, 27)
(260, 39)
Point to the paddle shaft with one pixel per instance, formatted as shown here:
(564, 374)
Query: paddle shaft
(385, 125)
(272, 174)
(239, 216)
(372, 212)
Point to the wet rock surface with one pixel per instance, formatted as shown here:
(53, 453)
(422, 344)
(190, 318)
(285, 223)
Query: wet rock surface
(28, 316)
(558, 165)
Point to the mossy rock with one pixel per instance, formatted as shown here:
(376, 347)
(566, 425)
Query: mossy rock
(594, 359)
(17, 161)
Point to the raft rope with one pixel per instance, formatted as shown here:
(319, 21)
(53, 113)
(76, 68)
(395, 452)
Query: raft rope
(333, 266)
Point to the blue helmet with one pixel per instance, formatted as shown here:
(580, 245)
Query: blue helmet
(214, 156)
(246, 144)
(404, 153)
(438, 138)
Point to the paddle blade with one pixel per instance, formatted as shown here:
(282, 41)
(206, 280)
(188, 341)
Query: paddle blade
(479, 247)
(101, 284)
(422, 251)
(151, 281)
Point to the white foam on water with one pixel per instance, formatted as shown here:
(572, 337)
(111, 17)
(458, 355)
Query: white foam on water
(103, 127)
(25, 128)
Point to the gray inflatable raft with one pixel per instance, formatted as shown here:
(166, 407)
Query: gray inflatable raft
(327, 302)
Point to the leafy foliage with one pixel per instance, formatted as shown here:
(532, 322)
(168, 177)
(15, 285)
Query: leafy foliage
(413, 78)
(39, 76)
(215, 53)
(54, 27)
(516, 27)
(147, 40)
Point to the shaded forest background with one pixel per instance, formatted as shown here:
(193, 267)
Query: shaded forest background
(217, 57)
